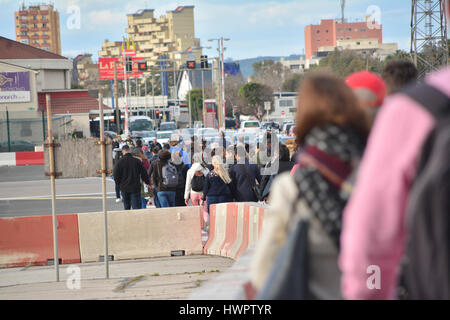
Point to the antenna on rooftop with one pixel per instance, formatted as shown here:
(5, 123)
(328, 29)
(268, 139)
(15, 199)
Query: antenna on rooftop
(342, 10)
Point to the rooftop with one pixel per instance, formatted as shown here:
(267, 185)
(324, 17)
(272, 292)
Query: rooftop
(10, 49)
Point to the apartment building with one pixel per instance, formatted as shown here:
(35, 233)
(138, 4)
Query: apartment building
(38, 26)
(169, 35)
(330, 31)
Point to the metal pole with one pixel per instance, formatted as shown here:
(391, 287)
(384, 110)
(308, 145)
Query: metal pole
(43, 125)
(8, 130)
(125, 127)
(52, 184)
(190, 111)
(116, 98)
(103, 154)
(222, 125)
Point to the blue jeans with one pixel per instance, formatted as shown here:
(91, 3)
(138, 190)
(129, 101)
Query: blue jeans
(156, 200)
(166, 199)
(217, 199)
(132, 200)
(144, 203)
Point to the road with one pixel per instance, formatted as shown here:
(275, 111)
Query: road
(25, 191)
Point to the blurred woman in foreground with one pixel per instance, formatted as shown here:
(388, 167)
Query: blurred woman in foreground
(332, 130)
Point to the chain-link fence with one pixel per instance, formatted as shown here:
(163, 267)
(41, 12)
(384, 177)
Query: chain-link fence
(24, 130)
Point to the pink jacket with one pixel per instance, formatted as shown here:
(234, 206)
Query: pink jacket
(374, 220)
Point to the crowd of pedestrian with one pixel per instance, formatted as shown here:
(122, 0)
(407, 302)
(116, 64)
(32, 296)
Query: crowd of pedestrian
(347, 201)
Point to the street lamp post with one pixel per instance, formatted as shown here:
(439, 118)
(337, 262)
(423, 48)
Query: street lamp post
(221, 50)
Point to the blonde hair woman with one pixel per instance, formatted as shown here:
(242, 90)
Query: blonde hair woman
(217, 184)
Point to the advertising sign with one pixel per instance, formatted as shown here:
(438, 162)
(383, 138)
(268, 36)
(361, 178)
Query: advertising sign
(15, 87)
(106, 68)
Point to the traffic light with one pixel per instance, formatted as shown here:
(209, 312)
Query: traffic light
(142, 66)
(157, 114)
(129, 65)
(204, 62)
(190, 64)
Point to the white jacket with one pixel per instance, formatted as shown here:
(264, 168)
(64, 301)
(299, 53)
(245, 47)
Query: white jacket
(190, 174)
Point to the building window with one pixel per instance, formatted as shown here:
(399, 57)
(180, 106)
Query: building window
(356, 30)
(318, 40)
(363, 30)
(358, 43)
(326, 31)
(24, 33)
(44, 25)
(35, 26)
(318, 31)
(349, 29)
(341, 38)
(339, 30)
(34, 18)
(349, 38)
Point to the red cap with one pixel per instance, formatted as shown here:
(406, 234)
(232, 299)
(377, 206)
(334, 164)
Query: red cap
(368, 80)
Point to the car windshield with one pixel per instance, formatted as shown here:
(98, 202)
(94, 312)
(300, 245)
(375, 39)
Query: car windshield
(251, 124)
(141, 125)
(164, 135)
(167, 126)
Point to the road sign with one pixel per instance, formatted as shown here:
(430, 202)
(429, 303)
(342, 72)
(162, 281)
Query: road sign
(283, 113)
(267, 106)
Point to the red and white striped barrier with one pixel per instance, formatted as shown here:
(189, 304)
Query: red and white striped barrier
(234, 227)
(21, 158)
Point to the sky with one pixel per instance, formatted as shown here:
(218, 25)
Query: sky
(255, 27)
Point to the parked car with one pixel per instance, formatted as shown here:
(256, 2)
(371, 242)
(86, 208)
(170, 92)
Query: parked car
(17, 146)
(146, 136)
(110, 134)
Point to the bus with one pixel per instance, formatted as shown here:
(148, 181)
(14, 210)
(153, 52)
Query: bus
(210, 119)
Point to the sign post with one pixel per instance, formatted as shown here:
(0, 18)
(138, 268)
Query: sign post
(52, 174)
(267, 107)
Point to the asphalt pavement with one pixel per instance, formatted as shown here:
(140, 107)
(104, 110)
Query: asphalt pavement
(25, 191)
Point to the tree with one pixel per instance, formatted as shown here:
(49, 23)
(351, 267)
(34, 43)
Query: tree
(196, 102)
(254, 95)
(232, 86)
(270, 73)
(293, 83)
(343, 63)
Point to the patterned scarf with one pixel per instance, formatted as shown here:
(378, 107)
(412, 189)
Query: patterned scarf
(331, 154)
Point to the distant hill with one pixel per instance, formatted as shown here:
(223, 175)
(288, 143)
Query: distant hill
(247, 64)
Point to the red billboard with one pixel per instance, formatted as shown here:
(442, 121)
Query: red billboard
(106, 68)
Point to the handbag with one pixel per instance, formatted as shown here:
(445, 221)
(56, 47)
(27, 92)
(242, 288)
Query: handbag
(254, 188)
(289, 276)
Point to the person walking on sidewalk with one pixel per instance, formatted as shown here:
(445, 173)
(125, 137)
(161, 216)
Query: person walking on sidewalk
(217, 184)
(128, 174)
(245, 178)
(165, 178)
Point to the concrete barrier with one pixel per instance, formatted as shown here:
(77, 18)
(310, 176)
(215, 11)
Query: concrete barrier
(7, 159)
(21, 158)
(234, 227)
(29, 158)
(141, 233)
(29, 240)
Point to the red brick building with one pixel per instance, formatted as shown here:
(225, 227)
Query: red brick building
(328, 32)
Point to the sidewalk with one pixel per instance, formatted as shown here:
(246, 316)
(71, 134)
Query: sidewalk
(169, 278)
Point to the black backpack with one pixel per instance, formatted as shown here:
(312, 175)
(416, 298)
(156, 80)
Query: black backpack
(197, 183)
(425, 270)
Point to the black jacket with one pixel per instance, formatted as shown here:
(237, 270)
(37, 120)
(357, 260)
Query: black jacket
(215, 186)
(128, 173)
(240, 185)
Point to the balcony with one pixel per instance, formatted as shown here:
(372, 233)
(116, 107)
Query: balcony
(23, 13)
(23, 29)
(44, 12)
(33, 12)
(44, 20)
(35, 37)
(45, 29)
(34, 29)
(45, 37)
